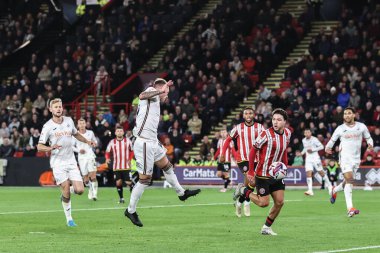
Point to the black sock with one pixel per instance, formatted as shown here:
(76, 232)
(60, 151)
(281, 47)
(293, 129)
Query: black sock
(227, 181)
(269, 222)
(120, 191)
(252, 190)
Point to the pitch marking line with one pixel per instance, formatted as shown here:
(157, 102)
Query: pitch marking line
(117, 208)
(352, 249)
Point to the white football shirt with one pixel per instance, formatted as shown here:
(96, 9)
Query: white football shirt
(350, 141)
(60, 134)
(148, 117)
(315, 145)
(78, 145)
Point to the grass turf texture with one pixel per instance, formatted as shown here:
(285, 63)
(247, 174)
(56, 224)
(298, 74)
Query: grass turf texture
(205, 223)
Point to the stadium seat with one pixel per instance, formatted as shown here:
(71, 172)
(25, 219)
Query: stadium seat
(18, 154)
(42, 154)
(286, 84)
(47, 178)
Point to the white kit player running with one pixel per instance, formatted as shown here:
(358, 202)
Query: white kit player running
(148, 150)
(58, 133)
(311, 146)
(350, 134)
(86, 159)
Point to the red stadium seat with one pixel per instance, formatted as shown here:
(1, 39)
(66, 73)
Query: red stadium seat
(18, 154)
(351, 53)
(286, 84)
(42, 154)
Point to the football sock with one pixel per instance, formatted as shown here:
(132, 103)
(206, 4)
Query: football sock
(348, 195)
(226, 182)
(67, 209)
(338, 188)
(327, 181)
(238, 203)
(136, 194)
(172, 179)
(120, 191)
(309, 181)
(247, 203)
(268, 222)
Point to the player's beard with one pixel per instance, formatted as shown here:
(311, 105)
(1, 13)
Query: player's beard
(57, 115)
(350, 122)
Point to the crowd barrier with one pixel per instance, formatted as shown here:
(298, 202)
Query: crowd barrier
(206, 175)
(27, 171)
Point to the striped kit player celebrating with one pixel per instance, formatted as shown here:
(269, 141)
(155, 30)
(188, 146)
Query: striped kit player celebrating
(86, 159)
(246, 134)
(350, 134)
(271, 146)
(121, 150)
(311, 146)
(148, 150)
(58, 132)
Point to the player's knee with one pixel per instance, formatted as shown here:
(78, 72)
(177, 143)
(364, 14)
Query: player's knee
(263, 203)
(79, 191)
(145, 181)
(168, 168)
(279, 202)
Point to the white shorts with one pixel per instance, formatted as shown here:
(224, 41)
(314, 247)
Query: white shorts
(348, 166)
(87, 165)
(66, 172)
(147, 152)
(310, 165)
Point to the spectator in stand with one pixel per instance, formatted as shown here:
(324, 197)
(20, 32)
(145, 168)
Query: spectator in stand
(29, 152)
(6, 149)
(169, 150)
(343, 98)
(205, 147)
(33, 141)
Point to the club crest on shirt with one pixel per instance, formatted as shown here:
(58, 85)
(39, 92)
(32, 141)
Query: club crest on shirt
(262, 191)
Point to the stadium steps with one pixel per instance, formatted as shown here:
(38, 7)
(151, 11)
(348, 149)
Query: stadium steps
(100, 107)
(294, 7)
(208, 8)
(275, 79)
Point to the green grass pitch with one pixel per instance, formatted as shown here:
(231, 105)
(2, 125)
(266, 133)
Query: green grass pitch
(32, 220)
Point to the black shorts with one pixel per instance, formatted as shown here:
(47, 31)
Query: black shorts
(265, 186)
(244, 166)
(122, 174)
(224, 167)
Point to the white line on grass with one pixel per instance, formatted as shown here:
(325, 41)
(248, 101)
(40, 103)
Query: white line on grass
(117, 208)
(352, 249)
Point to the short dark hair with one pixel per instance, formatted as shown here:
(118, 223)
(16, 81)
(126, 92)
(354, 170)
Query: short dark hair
(248, 108)
(281, 112)
(119, 127)
(352, 109)
(307, 129)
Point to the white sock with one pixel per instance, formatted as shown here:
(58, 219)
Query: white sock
(67, 210)
(247, 203)
(95, 188)
(309, 181)
(173, 181)
(348, 195)
(136, 194)
(338, 188)
(91, 188)
(327, 182)
(238, 203)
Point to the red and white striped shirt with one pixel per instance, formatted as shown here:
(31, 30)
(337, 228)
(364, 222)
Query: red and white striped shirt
(122, 153)
(271, 147)
(228, 153)
(246, 136)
